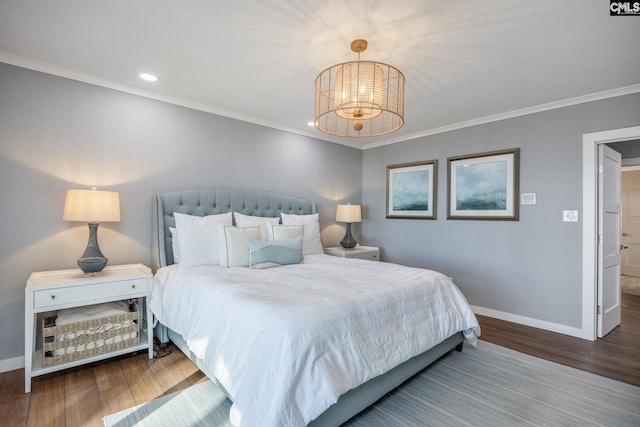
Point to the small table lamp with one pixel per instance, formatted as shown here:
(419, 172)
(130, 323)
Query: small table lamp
(93, 207)
(348, 214)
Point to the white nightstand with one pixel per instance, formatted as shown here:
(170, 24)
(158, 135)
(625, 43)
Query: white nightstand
(371, 253)
(54, 290)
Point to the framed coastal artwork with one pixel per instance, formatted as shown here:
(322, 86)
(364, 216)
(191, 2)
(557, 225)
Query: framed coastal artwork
(411, 190)
(484, 186)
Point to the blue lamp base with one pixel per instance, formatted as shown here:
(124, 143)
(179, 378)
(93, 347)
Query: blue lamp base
(348, 242)
(92, 261)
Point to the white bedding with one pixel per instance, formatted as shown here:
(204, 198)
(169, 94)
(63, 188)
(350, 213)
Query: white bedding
(286, 342)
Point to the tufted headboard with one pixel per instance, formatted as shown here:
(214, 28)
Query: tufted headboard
(210, 202)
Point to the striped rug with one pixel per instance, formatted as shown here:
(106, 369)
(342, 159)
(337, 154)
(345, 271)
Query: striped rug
(488, 386)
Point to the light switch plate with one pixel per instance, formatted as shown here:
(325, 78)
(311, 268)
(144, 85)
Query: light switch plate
(570, 216)
(528, 198)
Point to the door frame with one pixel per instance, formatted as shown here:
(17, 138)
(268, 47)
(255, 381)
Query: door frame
(630, 165)
(590, 142)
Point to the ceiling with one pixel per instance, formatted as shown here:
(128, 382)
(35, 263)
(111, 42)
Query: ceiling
(464, 62)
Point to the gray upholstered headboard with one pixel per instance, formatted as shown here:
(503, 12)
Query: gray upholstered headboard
(211, 202)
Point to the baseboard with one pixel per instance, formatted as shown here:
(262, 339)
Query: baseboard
(528, 321)
(11, 364)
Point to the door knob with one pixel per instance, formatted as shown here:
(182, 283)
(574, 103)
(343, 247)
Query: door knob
(626, 235)
(623, 247)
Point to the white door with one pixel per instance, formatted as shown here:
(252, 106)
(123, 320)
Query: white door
(631, 222)
(609, 192)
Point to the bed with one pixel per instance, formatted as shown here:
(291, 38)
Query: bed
(302, 387)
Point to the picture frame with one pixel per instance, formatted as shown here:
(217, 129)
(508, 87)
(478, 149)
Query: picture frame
(411, 190)
(484, 186)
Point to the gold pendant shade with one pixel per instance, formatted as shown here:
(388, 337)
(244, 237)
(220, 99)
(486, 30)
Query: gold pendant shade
(360, 98)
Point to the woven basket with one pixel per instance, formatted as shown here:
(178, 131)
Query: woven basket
(85, 345)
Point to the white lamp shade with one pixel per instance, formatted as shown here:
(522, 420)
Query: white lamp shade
(349, 213)
(92, 206)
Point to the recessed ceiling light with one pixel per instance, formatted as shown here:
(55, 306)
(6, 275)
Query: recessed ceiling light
(148, 77)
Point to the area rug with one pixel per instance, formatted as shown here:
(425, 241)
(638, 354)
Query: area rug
(630, 285)
(488, 386)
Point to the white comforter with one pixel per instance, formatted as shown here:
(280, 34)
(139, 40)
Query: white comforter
(286, 342)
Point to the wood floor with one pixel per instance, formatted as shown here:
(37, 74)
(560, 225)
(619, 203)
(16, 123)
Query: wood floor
(616, 356)
(82, 396)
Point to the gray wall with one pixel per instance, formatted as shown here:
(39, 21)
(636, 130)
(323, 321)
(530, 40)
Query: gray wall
(531, 267)
(57, 134)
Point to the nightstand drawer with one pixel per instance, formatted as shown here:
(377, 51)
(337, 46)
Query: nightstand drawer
(51, 298)
(371, 255)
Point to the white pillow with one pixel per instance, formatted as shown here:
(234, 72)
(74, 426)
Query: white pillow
(311, 243)
(174, 245)
(234, 244)
(283, 232)
(198, 238)
(263, 222)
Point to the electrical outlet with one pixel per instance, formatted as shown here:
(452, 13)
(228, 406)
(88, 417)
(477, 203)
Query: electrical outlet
(570, 216)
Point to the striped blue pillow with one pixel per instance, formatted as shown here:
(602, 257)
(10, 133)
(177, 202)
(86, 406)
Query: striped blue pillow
(265, 254)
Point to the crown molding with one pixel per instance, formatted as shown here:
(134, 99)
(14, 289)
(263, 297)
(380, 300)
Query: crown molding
(627, 90)
(47, 68)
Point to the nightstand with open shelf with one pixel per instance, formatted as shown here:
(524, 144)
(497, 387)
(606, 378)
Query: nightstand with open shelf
(50, 291)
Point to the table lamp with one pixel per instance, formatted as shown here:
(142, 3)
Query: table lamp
(92, 207)
(348, 214)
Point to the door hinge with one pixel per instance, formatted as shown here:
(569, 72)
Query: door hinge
(600, 168)
(599, 310)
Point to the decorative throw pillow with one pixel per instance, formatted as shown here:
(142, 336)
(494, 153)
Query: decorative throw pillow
(272, 254)
(263, 222)
(234, 244)
(198, 239)
(281, 232)
(311, 243)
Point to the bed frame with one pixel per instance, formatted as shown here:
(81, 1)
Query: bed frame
(259, 203)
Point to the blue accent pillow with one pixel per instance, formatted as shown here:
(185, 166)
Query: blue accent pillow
(265, 254)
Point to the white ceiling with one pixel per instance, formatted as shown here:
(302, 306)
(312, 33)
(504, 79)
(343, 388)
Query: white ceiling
(464, 62)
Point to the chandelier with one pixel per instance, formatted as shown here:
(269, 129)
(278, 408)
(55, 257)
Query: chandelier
(359, 98)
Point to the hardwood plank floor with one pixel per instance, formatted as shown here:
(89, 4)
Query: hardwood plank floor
(83, 395)
(113, 389)
(616, 356)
